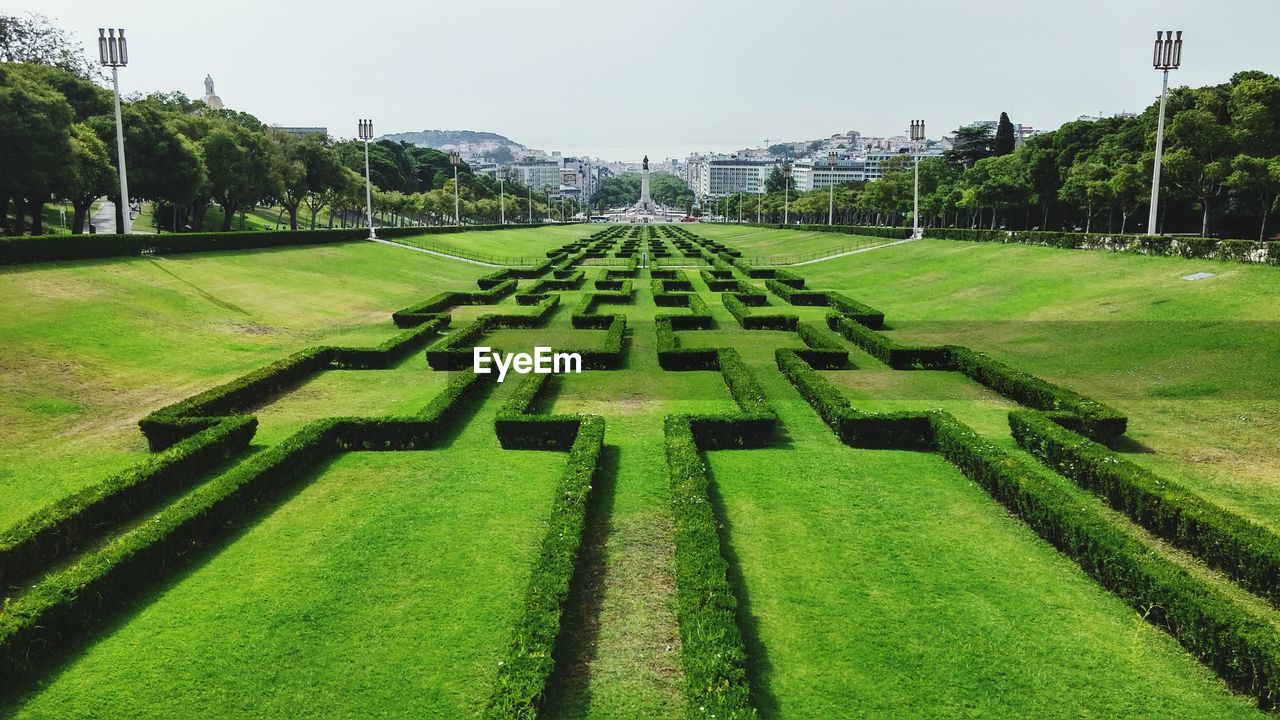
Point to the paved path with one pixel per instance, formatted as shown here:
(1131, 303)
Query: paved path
(437, 254)
(104, 220)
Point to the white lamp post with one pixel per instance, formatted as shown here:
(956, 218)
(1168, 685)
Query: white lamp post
(786, 193)
(547, 190)
(366, 134)
(917, 137)
(113, 52)
(454, 159)
(831, 187)
(1166, 56)
(502, 198)
(529, 187)
(759, 198)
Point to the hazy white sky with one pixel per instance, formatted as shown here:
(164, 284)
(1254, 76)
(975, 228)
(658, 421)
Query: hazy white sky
(618, 79)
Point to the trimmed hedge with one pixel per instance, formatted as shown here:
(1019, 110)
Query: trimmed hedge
(737, 305)
(71, 523)
(792, 295)
(712, 651)
(898, 357)
(1242, 549)
(1238, 641)
(50, 248)
(1244, 251)
(62, 603)
(519, 689)
(907, 431)
(824, 351)
(856, 311)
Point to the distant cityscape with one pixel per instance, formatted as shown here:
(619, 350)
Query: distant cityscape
(841, 158)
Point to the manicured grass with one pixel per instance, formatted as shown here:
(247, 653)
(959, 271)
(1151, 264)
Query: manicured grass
(530, 243)
(754, 241)
(98, 344)
(386, 587)
(1193, 364)
(872, 583)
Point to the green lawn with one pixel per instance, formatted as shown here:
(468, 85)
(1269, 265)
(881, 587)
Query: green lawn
(756, 242)
(1194, 364)
(872, 583)
(99, 344)
(386, 587)
(532, 243)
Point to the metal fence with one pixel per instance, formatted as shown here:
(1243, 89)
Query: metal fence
(768, 260)
(506, 260)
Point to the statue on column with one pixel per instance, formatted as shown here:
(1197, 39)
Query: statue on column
(213, 102)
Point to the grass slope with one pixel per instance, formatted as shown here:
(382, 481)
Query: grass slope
(98, 344)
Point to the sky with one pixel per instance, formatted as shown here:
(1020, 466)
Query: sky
(667, 77)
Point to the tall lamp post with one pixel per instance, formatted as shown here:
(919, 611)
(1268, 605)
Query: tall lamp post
(759, 199)
(831, 187)
(547, 189)
(529, 186)
(917, 137)
(366, 134)
(454, 159)
(1166, 56)
(786, 193)
(502, 198)
(113, 52)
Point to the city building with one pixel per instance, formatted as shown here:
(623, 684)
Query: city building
(298, 132)
(721, 175)
(536, 172)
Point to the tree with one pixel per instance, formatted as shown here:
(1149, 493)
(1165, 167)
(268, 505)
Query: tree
(776, 181)
(1201, 160)
(1005, 141)
(1128, 188)
(1088, 186)
(89, 174)
(162, 163)
(972, 143)
(34, 39)
(1258, 178)
(35, 122)
(242, 168)
(998, 183)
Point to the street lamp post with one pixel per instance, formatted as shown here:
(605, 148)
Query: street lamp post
(547, 189)
(366, 134)
(831, 187)
(529, 187)
(917, 137)
(113, 52)
(1166, 56)
(759, 199)
(454, 159)
(786, 193)
(502, 198)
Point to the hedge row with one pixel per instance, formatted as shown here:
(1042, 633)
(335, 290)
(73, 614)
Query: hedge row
(584, 314)
(712, 652)
(49, 248)
(824, 351)
(497, 277)
(519, 688)
(793, 296)
(454, 351)
(1239, 547)
(1238, 641)
(856, 311)
(673, 357)
(1090, 417)
(59, 529)
(413, 315)
(854, 428)
(737, 305)
(1245, 251)
(61, 604)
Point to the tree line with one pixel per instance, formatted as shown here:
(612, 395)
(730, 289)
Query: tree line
(185, 158)
(1220, 174)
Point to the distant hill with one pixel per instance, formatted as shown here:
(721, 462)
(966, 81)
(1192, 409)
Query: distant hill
(472, 141)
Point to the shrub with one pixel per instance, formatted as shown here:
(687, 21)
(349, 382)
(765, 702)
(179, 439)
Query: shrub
(737, 305)
(712, 650)
(1224, 540)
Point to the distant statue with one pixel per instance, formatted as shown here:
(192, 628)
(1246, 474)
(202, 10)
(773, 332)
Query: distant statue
(212, 101)
(646, 159)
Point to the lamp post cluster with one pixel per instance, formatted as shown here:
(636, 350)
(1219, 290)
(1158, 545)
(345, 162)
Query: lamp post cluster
(786, 192)
(113, 52)
(917, 137)
(503, 173)
(831, 187)
(1166, 56)
(366, 134)
(547, 189)
(454, 159)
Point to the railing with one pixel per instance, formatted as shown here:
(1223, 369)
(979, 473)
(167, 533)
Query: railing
(768, 260)
(454, 251)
